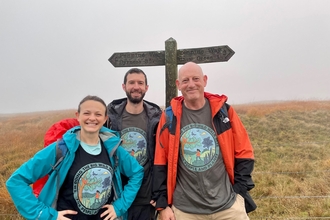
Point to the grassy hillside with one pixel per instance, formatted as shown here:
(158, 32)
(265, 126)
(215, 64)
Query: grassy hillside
(292, 158)
(292, 155)
(21, 136)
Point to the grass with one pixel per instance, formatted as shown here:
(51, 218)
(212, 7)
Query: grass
(291, 141)
(292, 158)
(21, 136)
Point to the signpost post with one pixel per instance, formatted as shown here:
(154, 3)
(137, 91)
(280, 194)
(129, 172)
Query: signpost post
(171, 58)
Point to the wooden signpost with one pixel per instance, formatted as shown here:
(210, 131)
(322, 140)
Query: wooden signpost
(171, 58)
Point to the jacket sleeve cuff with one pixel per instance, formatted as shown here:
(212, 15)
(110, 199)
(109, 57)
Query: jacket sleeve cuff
(161, 203)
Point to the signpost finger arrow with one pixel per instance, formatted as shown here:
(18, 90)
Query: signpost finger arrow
(171, 57)
(157, 58)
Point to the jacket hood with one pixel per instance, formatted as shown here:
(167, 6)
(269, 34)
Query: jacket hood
(72, 137)
(116, 107)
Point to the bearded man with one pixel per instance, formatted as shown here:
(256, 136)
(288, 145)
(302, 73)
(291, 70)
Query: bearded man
(137, 119)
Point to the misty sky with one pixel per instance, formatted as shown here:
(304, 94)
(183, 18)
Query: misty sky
(54, 53)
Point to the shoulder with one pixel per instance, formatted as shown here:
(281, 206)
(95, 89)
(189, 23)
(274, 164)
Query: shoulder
(116, 104)
(149, 105)
(152, 109)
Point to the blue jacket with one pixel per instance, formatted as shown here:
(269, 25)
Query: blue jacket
(30, 207)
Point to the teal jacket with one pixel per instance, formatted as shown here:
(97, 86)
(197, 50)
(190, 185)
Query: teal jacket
(30, 207)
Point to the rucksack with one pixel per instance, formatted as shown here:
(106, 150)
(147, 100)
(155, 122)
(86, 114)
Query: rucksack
(55, 133)
(170, 122)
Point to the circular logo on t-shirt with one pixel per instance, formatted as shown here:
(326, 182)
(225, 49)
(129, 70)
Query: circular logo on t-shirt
(134, 142)
(92, 187)
(199, 147)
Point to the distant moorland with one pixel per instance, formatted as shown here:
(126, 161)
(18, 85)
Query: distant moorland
(291, 141)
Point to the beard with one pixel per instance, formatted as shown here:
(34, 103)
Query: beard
(135, 100)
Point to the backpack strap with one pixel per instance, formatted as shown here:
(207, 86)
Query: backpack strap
(61, 150)
(224, 113)
(168, 123)
(169, 116)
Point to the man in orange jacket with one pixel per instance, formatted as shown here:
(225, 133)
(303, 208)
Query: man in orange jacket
(214, 185)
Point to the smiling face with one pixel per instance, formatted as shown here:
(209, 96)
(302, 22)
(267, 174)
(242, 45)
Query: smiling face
(191, 83)
(91, 116)
(135, 87)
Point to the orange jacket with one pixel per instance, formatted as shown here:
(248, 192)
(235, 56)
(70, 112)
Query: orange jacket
(234, 144)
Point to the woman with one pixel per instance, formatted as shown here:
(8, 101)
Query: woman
(89, 184)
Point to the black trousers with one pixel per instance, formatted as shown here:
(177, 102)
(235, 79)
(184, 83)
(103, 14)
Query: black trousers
(141, 212)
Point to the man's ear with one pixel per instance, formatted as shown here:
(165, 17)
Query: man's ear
(205, 80)
(177, 83)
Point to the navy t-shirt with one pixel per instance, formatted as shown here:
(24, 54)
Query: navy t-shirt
(87, 186)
